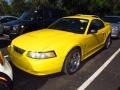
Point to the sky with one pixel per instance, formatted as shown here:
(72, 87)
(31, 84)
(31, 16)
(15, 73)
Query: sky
(8, 1)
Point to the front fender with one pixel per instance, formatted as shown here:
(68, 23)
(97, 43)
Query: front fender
(68, 48)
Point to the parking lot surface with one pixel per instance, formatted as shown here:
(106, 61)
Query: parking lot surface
(109, 78)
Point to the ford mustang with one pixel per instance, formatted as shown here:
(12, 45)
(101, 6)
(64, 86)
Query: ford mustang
(61, 46)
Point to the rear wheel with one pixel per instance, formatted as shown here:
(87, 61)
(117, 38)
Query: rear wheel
(108, 42)
(72, 62)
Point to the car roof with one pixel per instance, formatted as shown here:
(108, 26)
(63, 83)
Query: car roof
(89, 17)
(7, 16)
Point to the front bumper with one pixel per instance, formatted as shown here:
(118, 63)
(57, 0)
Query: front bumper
(35, 66)
(9, 32)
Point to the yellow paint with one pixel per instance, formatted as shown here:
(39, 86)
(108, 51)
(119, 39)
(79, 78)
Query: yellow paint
(55, 40)
(1, 58)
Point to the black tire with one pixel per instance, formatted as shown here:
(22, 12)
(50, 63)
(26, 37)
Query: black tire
(72, 62)
(4, 85)
(108, 42)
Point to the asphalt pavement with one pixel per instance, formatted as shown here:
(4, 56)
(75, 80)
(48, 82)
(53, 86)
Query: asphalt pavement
(108, 79)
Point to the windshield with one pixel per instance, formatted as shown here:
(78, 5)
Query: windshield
(28, 15)
(112, 19)
(70, 25)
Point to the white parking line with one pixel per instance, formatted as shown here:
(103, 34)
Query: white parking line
(92, 78)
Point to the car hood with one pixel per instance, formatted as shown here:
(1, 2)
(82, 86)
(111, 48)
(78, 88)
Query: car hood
(12, 23)
(43, 39)
(16, 22)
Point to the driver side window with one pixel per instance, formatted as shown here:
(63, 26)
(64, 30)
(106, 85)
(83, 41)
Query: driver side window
(96, 25)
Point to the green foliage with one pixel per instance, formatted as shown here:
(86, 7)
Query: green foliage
(40, 3)
(4, 8)
(1, 8)
(71, 6)
(18, 6)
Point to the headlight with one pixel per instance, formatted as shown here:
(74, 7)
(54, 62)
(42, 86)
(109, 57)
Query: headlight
(41, 55)
(22, 26)
(6, 27)
(16, 27)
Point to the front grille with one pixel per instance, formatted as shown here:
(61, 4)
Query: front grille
(18, 50)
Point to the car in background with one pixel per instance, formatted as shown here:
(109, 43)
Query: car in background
(32, 20)
(115, 23)
(61, 46)
(6, 76)
(4, 41)
(5, 19)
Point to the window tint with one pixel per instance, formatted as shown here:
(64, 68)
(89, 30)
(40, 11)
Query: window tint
(28, 15)
(99, 24)
(96, 25)
(11, 18)
(7, 19)
(70, 25)
(3, 20)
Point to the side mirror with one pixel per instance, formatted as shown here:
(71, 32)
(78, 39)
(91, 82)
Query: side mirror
(93, 31)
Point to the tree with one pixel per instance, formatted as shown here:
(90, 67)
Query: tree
(1, 8)
(18, 6)
(71, 6)
(40, 3)
(4, 7)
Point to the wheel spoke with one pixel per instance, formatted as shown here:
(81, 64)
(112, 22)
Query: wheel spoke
(74, 62)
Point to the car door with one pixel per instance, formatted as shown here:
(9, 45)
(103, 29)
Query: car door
(93, 39)
(100, 32)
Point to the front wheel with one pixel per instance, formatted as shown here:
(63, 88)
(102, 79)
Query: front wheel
(72, 62)
(108, 42)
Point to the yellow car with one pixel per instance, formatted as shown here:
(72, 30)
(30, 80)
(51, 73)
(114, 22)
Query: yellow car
(60, 47)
